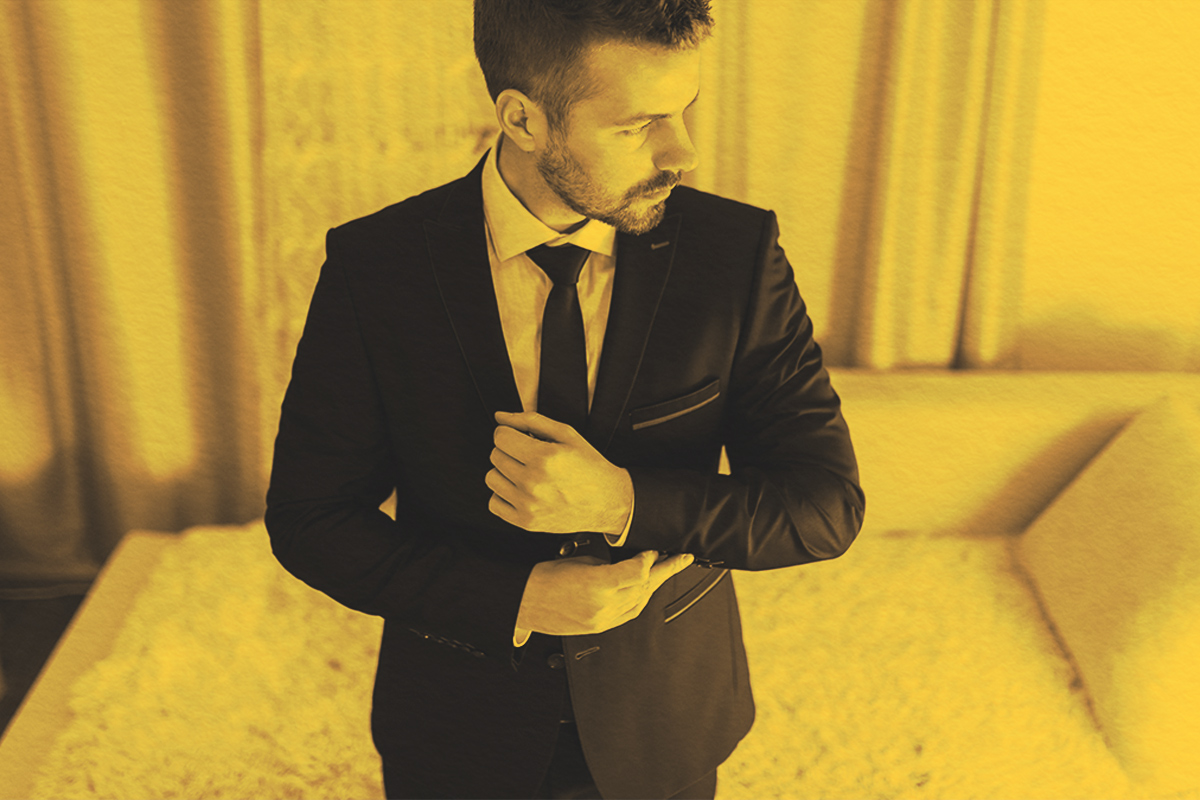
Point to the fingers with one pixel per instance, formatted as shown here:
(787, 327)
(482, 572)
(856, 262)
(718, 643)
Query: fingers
(644, 569)
(535, 424)
(502, 508)
(502, 486)
(508, 466)
(638, 598)
(636, 605)
(505, 492)
(619, 592)
(515, 444)
(661, 572)
(635, 571)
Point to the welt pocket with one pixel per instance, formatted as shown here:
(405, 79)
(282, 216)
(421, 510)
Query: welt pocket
(694, 594)
(667, 410)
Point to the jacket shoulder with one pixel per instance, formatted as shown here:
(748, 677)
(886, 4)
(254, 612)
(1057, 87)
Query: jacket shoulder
(407, 213)
(710, 221)
(719, 215)
(691, 199)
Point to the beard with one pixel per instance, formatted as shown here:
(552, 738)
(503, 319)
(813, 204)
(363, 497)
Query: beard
(628, 213)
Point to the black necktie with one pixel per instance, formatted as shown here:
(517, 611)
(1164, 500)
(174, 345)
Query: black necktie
(562, 378)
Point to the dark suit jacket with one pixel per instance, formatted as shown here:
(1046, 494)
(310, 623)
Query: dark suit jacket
(396, 378)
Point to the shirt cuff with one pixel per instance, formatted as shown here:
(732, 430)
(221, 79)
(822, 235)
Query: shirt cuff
(619, 541)
(520, 637)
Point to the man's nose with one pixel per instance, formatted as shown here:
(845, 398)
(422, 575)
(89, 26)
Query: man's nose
(676, 153)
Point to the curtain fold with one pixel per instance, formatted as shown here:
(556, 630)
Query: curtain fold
(129, 245)
(912, 121)
(989, 323)
(917, 266)
(992, 184)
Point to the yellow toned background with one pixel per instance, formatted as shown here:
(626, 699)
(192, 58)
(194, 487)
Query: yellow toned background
(1005, 184)
(962, 184)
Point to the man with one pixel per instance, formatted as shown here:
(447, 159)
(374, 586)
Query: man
(551, 419)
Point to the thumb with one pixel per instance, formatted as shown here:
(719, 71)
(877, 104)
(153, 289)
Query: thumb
(637, 570)
(536, 425)
(662, 571)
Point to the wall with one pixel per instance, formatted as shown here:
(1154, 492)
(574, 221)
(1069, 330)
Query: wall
(1112, 259)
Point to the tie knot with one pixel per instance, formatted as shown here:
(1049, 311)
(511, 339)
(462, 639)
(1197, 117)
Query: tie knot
(562, 264)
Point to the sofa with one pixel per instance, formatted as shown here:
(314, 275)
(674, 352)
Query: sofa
(955, 651)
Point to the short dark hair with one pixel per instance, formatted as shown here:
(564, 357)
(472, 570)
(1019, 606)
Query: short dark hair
(536, 46)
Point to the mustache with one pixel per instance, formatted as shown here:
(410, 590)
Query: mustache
(664, 180)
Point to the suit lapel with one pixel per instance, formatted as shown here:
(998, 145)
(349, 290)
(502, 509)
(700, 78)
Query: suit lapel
(643, 266)
(458, 253)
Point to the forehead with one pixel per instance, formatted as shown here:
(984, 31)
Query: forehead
(625, 79)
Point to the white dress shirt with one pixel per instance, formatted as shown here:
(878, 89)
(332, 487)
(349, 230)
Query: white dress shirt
(522, 288)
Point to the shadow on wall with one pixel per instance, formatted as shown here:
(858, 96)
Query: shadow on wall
(1075, 338)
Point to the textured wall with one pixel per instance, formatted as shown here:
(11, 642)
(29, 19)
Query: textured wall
(365, 103)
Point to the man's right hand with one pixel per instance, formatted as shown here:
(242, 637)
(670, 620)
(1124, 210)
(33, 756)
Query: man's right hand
(574, 596)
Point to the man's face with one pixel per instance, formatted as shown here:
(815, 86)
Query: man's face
(626, 145)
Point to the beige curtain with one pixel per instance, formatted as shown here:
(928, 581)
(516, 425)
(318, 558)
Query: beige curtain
(130, 251)
(893, 139)
(994, 183)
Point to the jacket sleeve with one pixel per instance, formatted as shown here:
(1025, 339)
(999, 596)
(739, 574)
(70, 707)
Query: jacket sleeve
(793, 494)
(332, 469)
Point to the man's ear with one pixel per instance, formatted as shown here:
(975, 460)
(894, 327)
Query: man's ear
(521, 119)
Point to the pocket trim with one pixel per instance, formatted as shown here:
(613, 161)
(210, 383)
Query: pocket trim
(644, 417)
(693, 595)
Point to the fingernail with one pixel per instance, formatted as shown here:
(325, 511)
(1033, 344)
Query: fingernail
(689, 558)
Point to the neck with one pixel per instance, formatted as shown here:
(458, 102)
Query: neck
(519, 171)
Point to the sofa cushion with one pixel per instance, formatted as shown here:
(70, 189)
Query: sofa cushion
(1116, 561)
(978, 453)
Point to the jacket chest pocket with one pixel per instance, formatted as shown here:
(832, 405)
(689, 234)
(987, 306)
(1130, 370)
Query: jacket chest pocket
(675, 408)
(693, 595)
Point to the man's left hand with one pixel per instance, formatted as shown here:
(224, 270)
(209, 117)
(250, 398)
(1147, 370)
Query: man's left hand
(547, 477)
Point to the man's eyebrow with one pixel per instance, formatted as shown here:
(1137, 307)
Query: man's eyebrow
(640, 118)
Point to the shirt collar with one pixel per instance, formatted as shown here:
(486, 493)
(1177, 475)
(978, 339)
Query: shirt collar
(514, 229)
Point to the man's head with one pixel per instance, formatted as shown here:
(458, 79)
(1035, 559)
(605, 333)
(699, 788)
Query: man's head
(593, 92)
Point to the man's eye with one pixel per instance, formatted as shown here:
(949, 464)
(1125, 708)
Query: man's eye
(636, 131)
